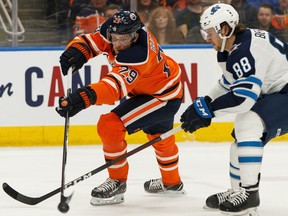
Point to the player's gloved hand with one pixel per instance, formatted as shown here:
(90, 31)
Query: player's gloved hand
(77, 101)
(197, 115)
(76, 55)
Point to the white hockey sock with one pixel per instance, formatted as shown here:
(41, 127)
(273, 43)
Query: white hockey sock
(249, 129)
(234, 167)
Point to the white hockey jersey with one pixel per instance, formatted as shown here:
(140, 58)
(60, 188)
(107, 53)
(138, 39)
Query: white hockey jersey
(257, 65)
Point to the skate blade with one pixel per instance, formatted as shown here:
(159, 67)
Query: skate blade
(247, 212)
(96, 201)
(210, 209)
(169, 193)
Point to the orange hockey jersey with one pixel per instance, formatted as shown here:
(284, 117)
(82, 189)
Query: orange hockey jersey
(141, 69)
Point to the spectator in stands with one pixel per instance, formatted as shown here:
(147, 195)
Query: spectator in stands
(111, 9)
(59, 11)
(144, 8)
(75, 8)
(163, 27)
(247, 13)
(282, 7)
(124, 4)
(264, 18)
(194, 35)
(90, 17)
(258, 3)
(189, 17)
(211, 2)
(280, 20)
(174, 5)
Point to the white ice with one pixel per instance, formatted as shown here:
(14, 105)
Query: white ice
(203, 168)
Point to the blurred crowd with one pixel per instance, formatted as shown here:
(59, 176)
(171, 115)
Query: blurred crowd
(171, 21)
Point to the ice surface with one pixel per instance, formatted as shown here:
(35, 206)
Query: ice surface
(203, 168)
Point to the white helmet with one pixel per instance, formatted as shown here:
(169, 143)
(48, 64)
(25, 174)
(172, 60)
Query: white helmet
(217, 14)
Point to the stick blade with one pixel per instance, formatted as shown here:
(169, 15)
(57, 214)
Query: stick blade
(19, 197)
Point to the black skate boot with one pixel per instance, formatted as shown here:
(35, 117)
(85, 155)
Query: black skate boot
(242, 202)
(213, 201)
(108, 193)
(156, 186)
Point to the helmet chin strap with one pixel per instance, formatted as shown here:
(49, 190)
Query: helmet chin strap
(223, 44)
(224, 39)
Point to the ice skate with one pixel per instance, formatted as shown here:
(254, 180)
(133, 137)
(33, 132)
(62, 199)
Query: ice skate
(108, 193)
(155, 186)
(243, 202)
(213, 201)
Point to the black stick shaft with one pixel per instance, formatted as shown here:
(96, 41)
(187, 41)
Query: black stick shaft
(33, 201)
(66, 134)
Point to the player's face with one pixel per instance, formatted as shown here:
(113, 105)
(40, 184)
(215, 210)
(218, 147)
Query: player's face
(213, 38)
(121, 42)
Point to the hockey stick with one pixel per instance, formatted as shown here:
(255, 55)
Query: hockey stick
(63, 205)
(33, 201)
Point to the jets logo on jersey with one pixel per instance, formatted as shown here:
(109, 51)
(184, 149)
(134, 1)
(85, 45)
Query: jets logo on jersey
(235, 47)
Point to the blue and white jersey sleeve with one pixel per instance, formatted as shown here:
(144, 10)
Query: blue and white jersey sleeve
(222, 87)
(256, 65)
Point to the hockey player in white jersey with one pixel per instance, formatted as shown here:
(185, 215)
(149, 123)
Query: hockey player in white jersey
(254, 87)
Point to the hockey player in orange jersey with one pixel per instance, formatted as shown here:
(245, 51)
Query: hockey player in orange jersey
(151, 82)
